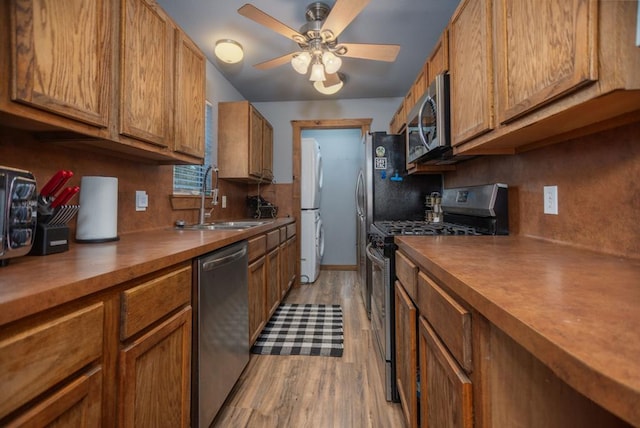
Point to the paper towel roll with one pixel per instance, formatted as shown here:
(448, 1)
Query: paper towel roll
(98, 213)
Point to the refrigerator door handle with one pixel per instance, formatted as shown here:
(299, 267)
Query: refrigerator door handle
(359, 184)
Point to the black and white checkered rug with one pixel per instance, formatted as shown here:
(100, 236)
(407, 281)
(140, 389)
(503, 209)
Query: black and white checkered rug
(296, 329)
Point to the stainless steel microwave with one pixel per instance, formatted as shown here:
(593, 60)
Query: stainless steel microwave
(428, 133)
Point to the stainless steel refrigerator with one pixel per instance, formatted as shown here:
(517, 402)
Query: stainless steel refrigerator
(389, 194)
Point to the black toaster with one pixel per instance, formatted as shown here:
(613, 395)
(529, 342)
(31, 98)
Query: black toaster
(18, 213)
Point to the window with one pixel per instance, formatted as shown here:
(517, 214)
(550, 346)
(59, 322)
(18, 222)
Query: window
(187, 179)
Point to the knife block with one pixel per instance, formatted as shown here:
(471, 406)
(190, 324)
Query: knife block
(50, 239)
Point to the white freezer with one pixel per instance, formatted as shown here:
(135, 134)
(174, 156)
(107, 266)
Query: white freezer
(311, 245)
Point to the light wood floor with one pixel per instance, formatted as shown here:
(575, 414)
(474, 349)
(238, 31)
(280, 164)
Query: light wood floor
(306, 391)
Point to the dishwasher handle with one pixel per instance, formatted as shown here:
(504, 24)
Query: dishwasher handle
(217, 262)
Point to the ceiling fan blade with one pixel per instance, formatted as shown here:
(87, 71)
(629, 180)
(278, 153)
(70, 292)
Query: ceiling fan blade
(331, 79)
(386, 53)
(341, 15)
(275, 62)
(255, 14)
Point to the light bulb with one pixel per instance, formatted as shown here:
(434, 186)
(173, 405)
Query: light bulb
(328, 90)
(300, 62)
(317, 73)
(331, 62)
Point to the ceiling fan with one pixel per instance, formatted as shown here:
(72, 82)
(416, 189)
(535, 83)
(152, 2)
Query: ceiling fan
(318, 40)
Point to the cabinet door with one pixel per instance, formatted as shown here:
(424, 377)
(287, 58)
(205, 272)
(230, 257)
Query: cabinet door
(256, 298)
(439, 59)
(284, 269)
(146, 88)
(78, 404)
(62, 60)
(292, 261)
(155, 376)
(406, 355)
(545, 49)
(267, 151)
(445, 389)
(273, 285)
(471, 70)
(190, 97)
(255, 144)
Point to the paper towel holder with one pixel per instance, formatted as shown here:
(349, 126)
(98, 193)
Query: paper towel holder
(98, 213)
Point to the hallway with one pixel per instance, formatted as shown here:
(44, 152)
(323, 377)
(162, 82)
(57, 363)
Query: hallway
(301, 391)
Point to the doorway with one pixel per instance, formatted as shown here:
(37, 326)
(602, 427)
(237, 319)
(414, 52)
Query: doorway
(298, 127)
(342, 158)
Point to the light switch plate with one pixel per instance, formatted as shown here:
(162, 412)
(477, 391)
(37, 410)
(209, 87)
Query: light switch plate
(142, 200)
(551, 200)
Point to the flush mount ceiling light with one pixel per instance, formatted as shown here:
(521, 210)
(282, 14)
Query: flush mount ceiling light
(229, 51)
(330, 87)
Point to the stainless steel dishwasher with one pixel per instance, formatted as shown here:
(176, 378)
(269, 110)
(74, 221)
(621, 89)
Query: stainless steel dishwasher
(220, 329)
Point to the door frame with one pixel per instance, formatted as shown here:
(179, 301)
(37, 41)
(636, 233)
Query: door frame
(298, 126)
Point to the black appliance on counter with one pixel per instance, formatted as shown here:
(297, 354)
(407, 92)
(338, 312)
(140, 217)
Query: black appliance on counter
(475, 210)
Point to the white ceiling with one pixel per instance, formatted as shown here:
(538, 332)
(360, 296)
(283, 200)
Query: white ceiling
(415, 25)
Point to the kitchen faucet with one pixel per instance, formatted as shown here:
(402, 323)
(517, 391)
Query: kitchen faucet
(203, 193)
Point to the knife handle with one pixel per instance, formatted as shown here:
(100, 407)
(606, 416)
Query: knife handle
(64, 196)
(48, 188)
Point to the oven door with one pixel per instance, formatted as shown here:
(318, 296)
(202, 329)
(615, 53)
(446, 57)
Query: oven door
(381, 318)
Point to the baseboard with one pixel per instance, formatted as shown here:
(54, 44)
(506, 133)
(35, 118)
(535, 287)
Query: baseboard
(338, 267)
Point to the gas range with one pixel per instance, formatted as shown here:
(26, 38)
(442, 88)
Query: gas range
(411, 227)
(475, 210)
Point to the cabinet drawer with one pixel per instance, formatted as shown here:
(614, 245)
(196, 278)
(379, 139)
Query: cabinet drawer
(407, 273)
(33, 361)
(283, 234)
(148, 302)
(291, 230)
(451, 321)
(273, 239)
(257, 247)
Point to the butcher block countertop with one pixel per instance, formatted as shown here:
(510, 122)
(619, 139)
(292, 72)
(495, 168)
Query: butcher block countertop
(34, 283)
(575, 310)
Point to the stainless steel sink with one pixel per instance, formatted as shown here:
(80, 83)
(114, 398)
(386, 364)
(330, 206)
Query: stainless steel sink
(225, 225)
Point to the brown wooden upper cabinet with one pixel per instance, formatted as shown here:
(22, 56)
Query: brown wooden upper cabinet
(147, 59)
(471, 71)
(539, 60)
(526, 74)
(62, 63)
(438, 61)
(190, 82)
(245, 143)
(121, 76)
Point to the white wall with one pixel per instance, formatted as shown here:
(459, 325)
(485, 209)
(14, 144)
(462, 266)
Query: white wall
(280, 115)
(218, 89)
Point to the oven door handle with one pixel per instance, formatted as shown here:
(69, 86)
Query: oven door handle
(377, 260)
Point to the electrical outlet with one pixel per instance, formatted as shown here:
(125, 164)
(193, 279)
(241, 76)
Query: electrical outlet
(224, 201)
(551, 200)
(142, 200)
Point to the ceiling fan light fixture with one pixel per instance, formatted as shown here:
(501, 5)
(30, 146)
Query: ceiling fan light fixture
(317, 73)
(328, 90)
(229, 51)
(331, 62)
(300, 62)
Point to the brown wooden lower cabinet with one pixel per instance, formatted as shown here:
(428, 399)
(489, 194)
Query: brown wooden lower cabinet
(446, 397)
(155, 374)
(406, 355)
(78, 404)
(257, 319)
(272, 282)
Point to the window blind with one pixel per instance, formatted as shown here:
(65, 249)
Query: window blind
(187, 179)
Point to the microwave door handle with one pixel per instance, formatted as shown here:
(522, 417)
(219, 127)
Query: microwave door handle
(427, 100)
